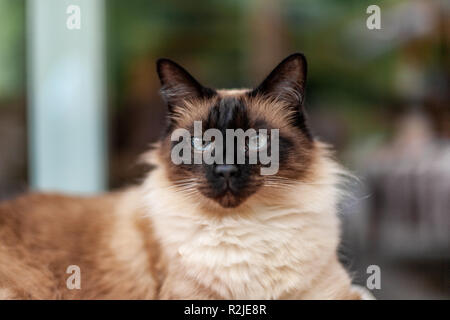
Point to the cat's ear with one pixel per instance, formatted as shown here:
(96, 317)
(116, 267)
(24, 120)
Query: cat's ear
(287, 81)
(178, 85)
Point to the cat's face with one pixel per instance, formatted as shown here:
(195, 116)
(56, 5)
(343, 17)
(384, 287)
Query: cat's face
(274, 110)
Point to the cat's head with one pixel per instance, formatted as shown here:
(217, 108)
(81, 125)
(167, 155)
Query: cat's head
(274, 110)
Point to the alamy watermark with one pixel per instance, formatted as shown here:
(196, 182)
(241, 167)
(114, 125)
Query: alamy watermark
(241, 147)
(374, 280)
(373, 22)
(73, 21)
(73, 282)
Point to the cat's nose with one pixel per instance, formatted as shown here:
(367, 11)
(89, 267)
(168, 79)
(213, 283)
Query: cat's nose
(226, 170)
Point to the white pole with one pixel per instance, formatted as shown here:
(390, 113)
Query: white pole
(66, 100)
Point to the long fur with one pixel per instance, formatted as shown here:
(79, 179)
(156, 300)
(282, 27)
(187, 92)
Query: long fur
(156, 242)
(272, 250)
(165, 239)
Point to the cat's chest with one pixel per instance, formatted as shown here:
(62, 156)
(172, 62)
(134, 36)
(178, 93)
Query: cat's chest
(242, 258)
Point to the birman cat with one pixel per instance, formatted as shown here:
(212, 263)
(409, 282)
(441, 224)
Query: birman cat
(194, 230)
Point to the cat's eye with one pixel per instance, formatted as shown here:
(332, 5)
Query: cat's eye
(257, 142)
(199, 145)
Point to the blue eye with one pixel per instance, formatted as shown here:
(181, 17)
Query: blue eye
(200, 145)
(257, 142)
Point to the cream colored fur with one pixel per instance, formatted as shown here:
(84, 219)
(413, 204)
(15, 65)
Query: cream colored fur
(260, 251)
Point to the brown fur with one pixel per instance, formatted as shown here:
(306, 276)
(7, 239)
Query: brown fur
(41, 235)
(274, 112)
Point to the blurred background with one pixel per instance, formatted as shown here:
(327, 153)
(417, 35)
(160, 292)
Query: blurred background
(78, 106)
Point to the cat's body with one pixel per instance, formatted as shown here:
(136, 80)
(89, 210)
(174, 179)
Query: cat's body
(148, 243)
(106, 237)
(176, 236)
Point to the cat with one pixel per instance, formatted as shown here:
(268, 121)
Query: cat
(194, 231)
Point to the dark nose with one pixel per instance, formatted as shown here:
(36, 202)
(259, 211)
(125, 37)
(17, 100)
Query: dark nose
(226, 170)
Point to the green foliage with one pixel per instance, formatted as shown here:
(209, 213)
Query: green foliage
(12, 56)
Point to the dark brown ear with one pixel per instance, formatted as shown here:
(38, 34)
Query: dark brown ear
(287, 81)
(177, 84)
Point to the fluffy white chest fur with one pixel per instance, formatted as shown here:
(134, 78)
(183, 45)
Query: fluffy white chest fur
(262, 255)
